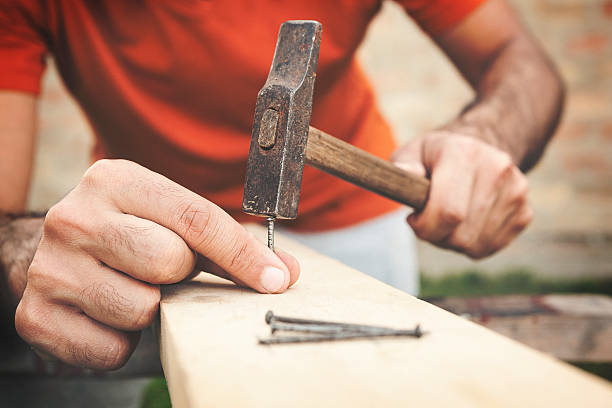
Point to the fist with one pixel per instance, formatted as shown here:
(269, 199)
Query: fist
(107, 246)
(478, 198)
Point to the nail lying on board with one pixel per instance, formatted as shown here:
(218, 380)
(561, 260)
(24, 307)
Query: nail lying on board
(327, 331)
(272, 318)
(339, 336)
(332, 329)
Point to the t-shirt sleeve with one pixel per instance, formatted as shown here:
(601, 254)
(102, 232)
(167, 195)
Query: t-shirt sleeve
(22, 49)
(438, 16)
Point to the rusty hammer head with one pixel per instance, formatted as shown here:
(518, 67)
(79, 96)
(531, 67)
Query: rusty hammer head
(280, 128)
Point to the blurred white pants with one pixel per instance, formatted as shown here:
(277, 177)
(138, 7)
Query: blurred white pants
(384, 248)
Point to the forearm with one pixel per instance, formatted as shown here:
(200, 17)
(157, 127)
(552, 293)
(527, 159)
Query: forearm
(18, 120)
(19, 237)
(518, 104)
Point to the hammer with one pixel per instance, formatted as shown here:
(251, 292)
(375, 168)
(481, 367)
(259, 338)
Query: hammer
(282, 139)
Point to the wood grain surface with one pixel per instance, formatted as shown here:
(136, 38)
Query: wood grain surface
(343, 160)
(210, 355)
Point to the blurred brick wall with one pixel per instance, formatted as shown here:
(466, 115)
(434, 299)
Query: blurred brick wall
(571, 188)
(419, 89)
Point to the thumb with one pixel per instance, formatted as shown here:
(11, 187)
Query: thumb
(408, 157)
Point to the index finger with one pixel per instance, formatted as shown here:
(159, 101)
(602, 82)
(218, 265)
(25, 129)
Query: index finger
(204, 226)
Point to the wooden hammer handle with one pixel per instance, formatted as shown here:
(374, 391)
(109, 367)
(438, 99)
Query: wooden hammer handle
(343, 160)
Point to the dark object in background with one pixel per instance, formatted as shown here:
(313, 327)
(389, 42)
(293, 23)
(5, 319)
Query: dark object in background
(574, 328)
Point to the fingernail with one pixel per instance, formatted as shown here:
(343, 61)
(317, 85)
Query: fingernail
(272, 279)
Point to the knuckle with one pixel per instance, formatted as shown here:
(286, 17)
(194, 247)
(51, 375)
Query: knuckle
(197, 223)
(135, 314)
(503, 171)
(29, 320)
(451, 216)
(111, 355)
(506, 166)
(57, 219)
(24, 324)
(521, 181)
(51, 274)
(477, 252)
(239, 256)
(147, 309)
(105, 297)
(464, 239)
(451, 151)
(465, 147)
(467, 241)
(102, 170)
(98, 172)
(137, 240)
(115, 236)
(63, 219)
(522, 189)
(419, 230)
(174, 269)
(174, 264)
(504, 160)
(518, 200)
(42, 277)
(525, 219)
(36, 271)
(116, 354)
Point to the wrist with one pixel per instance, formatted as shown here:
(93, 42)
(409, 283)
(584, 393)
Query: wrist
(476, 122)
(19, 237)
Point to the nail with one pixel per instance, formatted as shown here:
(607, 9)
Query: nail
(337, 337)
(272, 279)
(334, 329)
(305, 328)
(283, 323)
(269, 316)
(271, 232)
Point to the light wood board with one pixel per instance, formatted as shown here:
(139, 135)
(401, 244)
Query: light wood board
(211, 358)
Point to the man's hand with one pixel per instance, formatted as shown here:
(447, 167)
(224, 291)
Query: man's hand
(105, 248)
(478, 198)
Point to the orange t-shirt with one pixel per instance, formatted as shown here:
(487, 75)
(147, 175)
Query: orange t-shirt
(172, 84)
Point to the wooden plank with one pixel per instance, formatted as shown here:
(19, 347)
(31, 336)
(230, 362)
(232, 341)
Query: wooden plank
(569, 327)
(208, 331)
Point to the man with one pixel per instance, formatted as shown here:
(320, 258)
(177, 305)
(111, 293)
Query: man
(171, 85)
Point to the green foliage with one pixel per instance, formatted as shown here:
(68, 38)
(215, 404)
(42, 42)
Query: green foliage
(156, 394)
(473, 282)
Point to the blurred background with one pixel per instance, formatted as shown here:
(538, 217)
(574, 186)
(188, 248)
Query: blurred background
(571, 188)
(568, 248)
